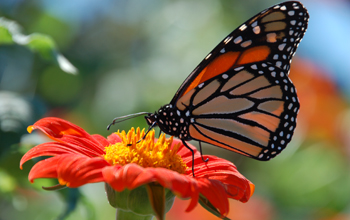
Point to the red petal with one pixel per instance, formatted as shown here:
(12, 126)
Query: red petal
(73, 170)
(224, 177)
(79, 170)
(237, 186)
(100, 139)
(44, 169)
(56, 148)
(114, 138)
(66, 132)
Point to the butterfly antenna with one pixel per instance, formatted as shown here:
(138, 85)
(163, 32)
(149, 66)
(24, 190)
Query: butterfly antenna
(124, 118)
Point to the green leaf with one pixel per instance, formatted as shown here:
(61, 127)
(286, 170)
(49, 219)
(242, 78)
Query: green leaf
(44, 45)
(5, 36)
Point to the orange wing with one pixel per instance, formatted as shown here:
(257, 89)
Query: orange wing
(271, 36)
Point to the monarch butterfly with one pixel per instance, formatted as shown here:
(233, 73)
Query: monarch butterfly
(240, 96)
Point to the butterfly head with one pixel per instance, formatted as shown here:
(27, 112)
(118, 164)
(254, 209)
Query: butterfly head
(151, 118)
(159, 118)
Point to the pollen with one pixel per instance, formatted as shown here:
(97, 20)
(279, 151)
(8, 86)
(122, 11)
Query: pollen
(145, 151)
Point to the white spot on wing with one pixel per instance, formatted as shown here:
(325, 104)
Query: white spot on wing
(281, 46)
(242, 27)
(239, 68)
(256, 30)
(228, 39)
(246, 43)
(238, 40)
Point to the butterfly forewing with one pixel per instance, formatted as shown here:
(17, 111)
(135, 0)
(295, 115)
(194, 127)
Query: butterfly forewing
(273, 36)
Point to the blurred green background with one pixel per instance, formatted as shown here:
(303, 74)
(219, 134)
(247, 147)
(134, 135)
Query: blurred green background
(132, 56)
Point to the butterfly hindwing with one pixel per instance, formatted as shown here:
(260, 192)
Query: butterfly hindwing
(251, 110)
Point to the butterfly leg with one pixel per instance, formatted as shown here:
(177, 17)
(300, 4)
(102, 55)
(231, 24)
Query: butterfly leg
(149, 128)
(184, 143)
(200, 149)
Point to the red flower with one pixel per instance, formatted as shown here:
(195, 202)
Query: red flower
(79, 158)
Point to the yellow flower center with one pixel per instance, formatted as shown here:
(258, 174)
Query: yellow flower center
(145, 152)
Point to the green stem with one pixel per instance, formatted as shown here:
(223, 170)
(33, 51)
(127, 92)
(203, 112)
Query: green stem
(126, 215)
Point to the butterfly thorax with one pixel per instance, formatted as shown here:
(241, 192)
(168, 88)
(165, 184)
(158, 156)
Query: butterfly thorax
(171, 121)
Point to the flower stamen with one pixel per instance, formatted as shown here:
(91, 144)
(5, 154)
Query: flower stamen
(146, 152)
